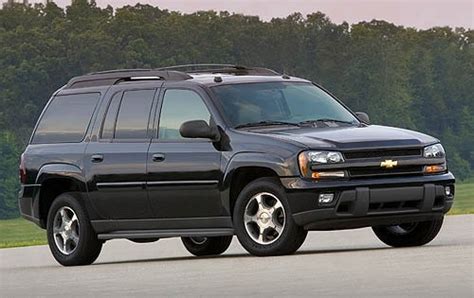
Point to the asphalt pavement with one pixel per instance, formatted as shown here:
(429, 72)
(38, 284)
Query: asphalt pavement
(351, 263)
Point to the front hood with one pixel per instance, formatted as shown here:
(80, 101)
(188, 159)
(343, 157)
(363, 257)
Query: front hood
(372, 136)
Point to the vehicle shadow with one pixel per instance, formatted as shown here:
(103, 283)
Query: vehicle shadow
(245, 255)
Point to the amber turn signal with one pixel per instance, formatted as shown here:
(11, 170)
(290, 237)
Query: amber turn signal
(431, 169)
(303, 163)
(328, 174)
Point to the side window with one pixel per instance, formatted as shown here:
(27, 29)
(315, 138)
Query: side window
(66, 119)
(178, 107)
(132, 119)
(108, 126)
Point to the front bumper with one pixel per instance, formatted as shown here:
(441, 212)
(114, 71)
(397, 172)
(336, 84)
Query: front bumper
(369, 202)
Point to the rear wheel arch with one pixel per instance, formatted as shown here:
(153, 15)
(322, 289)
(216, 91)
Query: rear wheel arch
(51, 188)
(56, 179)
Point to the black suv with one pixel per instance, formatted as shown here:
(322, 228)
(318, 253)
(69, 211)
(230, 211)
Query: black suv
(205, 152)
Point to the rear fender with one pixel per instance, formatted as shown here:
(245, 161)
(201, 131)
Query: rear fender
(57, 171)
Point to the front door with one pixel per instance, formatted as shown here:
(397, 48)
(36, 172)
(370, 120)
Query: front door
(117, 159)
(183, 174)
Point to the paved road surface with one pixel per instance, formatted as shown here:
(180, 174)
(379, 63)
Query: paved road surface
(344, 263)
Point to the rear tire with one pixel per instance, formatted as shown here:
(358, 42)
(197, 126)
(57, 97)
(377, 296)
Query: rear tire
(411, 234)
(263, 221)
(206, 246)
(71, 239)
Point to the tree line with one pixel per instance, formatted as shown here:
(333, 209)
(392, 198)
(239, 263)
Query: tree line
(417, 79)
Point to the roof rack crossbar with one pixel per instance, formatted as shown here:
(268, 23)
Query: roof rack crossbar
(119, 71)
(190, 66)
(221, 68)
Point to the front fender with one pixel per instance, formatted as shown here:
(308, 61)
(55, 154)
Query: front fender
(278, 164)
(281, 166)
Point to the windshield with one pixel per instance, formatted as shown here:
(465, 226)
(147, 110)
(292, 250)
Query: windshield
(280, 102)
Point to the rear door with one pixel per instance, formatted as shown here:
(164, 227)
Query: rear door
(116, 157)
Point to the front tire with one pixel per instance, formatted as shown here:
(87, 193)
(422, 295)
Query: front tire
(71, 239)
(206, 246)
(410, 234)
(263, 221)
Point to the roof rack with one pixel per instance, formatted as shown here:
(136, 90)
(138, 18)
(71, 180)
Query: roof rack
(222, 68)
(111, 77)
(170, 73)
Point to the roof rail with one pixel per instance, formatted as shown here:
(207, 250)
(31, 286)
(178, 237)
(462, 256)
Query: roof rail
(221, 68)
(170, 73)
(111, 77)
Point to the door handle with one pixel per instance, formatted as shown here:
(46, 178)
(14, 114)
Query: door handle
(157, 157)
(97, 158)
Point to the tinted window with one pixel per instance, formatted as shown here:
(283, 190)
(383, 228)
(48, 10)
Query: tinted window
(66, 119)
(108, 127)
(132, 120)
(180, 106)
(288, 102)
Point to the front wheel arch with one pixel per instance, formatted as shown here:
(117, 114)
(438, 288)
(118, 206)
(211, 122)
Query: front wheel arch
(242, 176)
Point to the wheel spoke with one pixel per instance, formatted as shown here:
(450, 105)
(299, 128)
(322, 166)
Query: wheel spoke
(65, 245)
(250, 218)
(57, 230)
(63, 214)
(277, 206)
(277, 227)
(73, 218)
(75, 238)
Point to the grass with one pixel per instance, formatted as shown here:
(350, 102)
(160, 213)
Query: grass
(20, 232)
(463, 199)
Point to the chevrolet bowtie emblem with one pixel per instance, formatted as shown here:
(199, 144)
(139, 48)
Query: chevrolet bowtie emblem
(388, 164)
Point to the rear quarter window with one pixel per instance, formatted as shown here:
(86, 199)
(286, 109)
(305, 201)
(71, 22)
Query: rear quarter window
(66, 119)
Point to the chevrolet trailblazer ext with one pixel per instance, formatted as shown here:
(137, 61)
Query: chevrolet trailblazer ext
(219, 150)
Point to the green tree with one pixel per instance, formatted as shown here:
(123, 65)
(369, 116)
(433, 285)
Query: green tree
(418, 79)
(9, 185)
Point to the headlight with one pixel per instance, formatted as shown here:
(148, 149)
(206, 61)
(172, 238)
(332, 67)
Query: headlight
(434, 151)
(324, 156)
(305, 159)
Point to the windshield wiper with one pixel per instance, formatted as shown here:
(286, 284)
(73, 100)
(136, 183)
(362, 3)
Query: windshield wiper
(326, 120)
(266, 123)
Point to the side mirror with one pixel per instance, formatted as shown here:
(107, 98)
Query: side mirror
(363, 117)
(199, 129)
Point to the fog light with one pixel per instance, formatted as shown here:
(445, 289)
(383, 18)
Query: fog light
(326, 198)
(447, 191)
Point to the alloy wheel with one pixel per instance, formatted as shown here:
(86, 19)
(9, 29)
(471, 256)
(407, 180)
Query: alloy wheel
(264, 218)
(66, 230)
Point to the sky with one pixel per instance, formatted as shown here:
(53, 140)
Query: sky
(420, 14)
